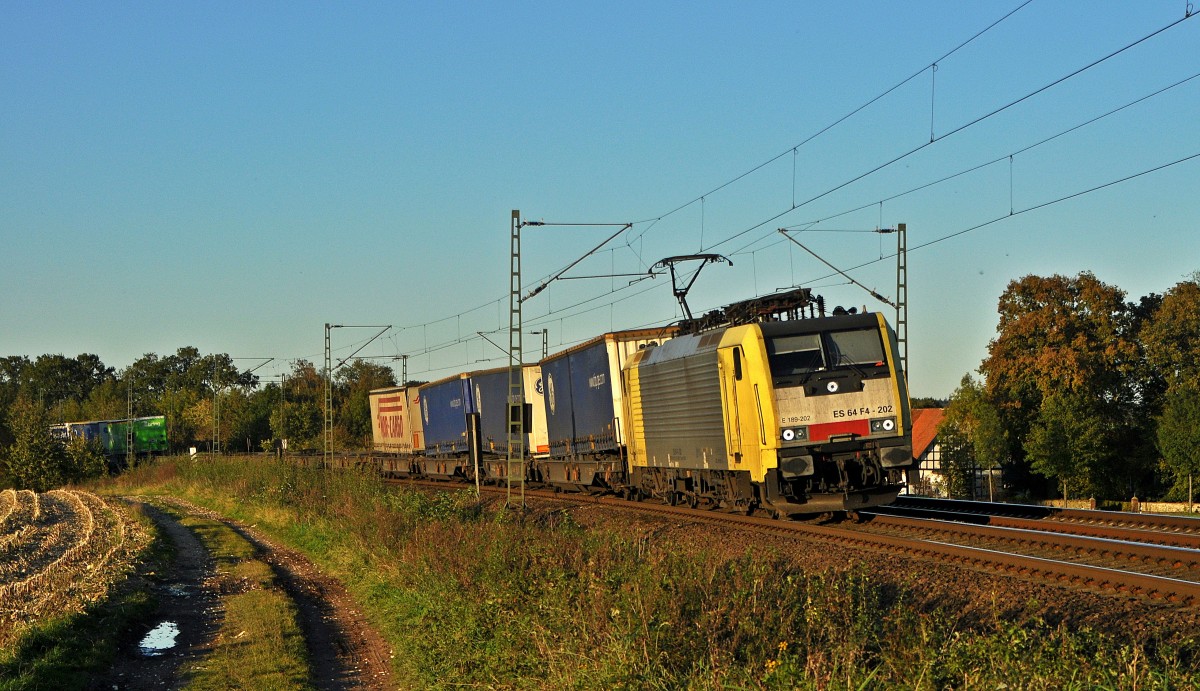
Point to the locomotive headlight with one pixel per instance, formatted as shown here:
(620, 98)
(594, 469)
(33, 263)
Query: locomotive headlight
(883, 424)
(795, 434)
(831, 387)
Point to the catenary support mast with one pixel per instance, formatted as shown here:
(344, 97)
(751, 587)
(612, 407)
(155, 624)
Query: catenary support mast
(902, 296)
(516, 377)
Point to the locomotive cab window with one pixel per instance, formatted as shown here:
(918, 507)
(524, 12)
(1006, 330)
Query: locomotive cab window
(860, 347)
(795, 355)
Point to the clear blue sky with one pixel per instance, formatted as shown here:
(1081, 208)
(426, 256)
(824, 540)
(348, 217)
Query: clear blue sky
(232, 176)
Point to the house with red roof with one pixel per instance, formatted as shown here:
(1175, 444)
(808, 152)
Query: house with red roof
(925, 476)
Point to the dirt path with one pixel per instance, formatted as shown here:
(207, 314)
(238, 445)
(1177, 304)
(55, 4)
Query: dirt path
(187, 600)
(345, 651)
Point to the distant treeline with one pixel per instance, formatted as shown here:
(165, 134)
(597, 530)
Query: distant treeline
(203, 398)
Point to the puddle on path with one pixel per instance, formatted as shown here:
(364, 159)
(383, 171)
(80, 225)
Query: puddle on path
(160, 639)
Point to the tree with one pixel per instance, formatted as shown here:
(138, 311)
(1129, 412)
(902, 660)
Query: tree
(1179, 433)
(198, 418)
(173, 386)
(1065, 336)
(245, 419)
(300, 419)
(1067, 441)
(927, 402)
(108, 401)
(153, 377)
(1171, 338)
(34, 460)
(12, 369)
(255, 423)
(974, 422)
(55, 379)
(958, 463)
(84, 459)
(354, 384)
(183, 429)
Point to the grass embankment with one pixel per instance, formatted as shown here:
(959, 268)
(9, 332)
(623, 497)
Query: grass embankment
(259, 644)
(479, 598)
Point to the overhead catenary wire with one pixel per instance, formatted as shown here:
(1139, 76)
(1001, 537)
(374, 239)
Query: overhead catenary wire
(845, 117)
(848, 277)
(956, 130)
(1042, 205)
(547, 282)
(971, 169)
(990, 222)
(651, 222)
(921, 246)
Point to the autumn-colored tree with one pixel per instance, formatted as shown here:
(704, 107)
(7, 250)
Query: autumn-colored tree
(1059, 334)
(1064, 337)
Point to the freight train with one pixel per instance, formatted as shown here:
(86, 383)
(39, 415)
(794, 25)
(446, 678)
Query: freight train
(792, 416)
(112, 436)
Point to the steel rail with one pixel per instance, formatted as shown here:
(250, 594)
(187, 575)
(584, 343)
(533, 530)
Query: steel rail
(1163, 556)
(1146, 521)
(1185, 540)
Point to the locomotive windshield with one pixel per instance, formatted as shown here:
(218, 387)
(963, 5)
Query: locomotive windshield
(858, 347)
(792, 355)
(801, 354)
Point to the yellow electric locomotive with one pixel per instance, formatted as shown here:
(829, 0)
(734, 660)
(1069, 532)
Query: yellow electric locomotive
(798, 416)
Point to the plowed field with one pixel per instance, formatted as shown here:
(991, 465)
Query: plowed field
(59, 551)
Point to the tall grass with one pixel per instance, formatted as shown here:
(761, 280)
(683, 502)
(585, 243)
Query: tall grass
(474, 596)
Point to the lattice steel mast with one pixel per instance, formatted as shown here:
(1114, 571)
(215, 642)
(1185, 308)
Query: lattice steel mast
(902, 296)
(516, 377)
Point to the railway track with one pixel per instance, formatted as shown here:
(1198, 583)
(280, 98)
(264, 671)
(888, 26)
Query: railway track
(1159, 572)
(1102, 551)
(1180, 531)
